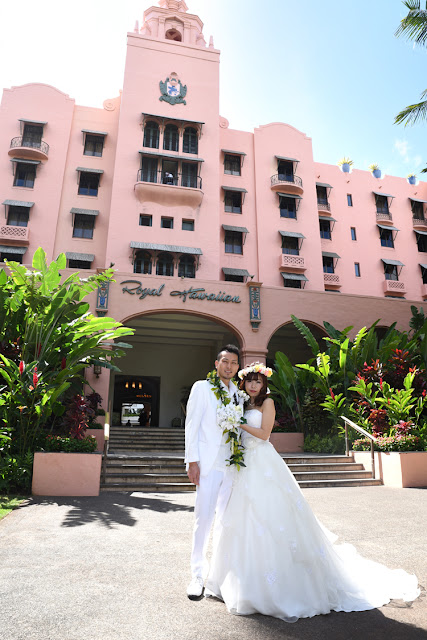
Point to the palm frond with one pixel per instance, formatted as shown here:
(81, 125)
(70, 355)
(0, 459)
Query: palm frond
(414, 26)
(305, 331)
(413, 113)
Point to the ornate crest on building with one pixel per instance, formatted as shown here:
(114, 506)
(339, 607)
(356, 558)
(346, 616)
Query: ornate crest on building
(172, 90)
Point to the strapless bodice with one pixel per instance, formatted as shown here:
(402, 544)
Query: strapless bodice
(253, 418)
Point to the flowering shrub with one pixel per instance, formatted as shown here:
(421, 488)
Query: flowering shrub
(390, 443)
(55, 444)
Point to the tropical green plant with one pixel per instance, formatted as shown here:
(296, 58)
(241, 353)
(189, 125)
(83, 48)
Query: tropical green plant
(374, 167)
(345, 161)
(411, 175)
(54, 444)
(288, 388)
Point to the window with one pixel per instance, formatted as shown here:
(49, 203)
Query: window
(286, 171)
(164, 265)
(189, 175)
(166, 223)
(357, 269)
(32, 136)
(232, 165)
(186, 267)
(233, 242)
(290, 245)
(145, 220)
(390, 272)
(325, 229)
(292, 284)
(142, 263)
(328, 264)
(12, 257)
(151, 135)
(288, 207)
(148, 171)
(422, 243)
(353, 233)
(322, 195)
(386, 237)
(18, 216)
(94, 145)
(25, 175)
(83, 226)
(88, 184)
(417, 210)
(233, 201)
(79, 264)
(349, 200)
(424, 274)
(231, 278)
(188, 225)
(171, 138)
(382, 204)
(190, 143)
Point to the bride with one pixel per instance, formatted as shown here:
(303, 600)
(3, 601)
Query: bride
(271, 555)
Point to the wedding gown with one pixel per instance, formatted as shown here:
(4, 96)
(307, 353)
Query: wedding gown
(272, 555)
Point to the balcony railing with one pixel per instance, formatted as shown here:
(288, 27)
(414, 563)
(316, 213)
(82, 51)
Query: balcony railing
(11, 233)
(419, 222)
(28, 143)
(281, 178)
(174, 180)
(289, 261)
(394, 286)
(332, 279)
(385, 216)
(323, 206)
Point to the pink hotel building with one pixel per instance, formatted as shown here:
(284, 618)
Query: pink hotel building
(216, 234)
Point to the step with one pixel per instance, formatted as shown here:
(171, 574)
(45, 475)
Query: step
(325, 466)
(146, 478)
(331, 475)
(149, 488)
(306, 484)
(146, 468)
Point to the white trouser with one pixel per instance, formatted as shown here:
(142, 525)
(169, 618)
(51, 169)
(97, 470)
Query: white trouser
(212, 496)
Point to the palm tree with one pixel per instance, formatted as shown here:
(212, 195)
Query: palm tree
(414, 28)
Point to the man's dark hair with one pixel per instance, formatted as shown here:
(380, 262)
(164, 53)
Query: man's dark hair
(231, 348)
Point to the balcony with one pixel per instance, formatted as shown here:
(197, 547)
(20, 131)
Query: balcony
(11, 234)
(331, 280)
(22, 147)
(385, 216)
(394, 287)
(419, 223)
(323, 207)
(169, 190)
(289, 183)
(288, 261)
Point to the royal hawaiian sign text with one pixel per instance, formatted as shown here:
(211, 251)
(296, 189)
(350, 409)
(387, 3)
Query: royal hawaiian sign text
(135, 288)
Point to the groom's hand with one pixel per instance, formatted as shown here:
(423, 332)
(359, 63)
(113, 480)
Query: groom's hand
(193, 472)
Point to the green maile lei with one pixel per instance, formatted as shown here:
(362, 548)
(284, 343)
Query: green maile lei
(234, 437)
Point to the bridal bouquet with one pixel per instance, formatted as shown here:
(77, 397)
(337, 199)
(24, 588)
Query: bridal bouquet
(229, 418)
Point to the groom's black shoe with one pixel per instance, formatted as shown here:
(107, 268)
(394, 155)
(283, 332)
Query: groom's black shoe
(195, 588)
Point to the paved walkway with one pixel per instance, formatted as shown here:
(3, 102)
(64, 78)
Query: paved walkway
(116, 568)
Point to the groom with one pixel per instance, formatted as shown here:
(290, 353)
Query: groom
(206, 453)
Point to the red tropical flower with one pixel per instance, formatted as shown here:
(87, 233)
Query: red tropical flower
(35, 378)
(21, 367)
(332, 393)
(63, 363)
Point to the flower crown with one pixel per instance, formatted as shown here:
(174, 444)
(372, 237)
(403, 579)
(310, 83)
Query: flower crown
(255, 367)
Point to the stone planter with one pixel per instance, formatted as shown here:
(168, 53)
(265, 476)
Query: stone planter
(66, 474)
(288, 442)
(100, 438)
(395, 469)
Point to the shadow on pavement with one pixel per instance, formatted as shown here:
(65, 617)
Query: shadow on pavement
(109, 509)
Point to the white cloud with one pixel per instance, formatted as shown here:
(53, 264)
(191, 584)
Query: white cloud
(402, 148)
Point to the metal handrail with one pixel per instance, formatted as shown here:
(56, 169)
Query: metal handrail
(174, 180)
(349, 423)
(108, 415)
(22, 141)
(281, 177)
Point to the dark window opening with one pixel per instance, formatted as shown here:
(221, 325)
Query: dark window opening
(186, 267)
(88, 184)
(83, 226)
(357, 269)
(79, 264)
(424, 275)
(189, 175)
(288, 207)
(387, 238)
(166, 223)
(148, 169)
(188, 225)
(349, 200)
(325, 229)
(32, 136)
(417, 210)
(94, 145)
(145, 220)
(234, 242)
(382, 204)
(25, 175)
(142, 263)
(151, 135)
(12, 257)
(292, 284)
(231, 278)
(190, 142)
(171, 138)
(353, 233)
(233, 201)
(18, 216)
(232, 165)
(290, 245)
(328, 264)
(170, 172)
(390, 272)
(422, 243)
(164, 265)
(322, 195)
(286, 171)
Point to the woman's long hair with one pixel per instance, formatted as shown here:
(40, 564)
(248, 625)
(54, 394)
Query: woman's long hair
(264, 389)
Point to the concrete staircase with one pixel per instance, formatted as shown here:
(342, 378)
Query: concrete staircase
(152, 459)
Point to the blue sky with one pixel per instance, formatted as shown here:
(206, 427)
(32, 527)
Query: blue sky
(333, 69)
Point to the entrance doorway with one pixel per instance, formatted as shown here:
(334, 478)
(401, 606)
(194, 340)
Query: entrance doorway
(136, 401)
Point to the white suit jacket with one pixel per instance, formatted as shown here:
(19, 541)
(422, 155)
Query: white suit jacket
(202, 433)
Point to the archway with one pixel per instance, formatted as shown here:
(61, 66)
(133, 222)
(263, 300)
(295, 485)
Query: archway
(171, 350)
(290, 341)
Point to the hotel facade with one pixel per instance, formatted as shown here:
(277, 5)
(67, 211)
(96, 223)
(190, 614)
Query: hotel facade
(216, 235)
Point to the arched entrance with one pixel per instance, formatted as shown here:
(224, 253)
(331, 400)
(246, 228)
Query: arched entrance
(290, 341)
(171, 350)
